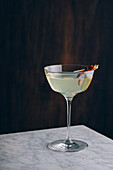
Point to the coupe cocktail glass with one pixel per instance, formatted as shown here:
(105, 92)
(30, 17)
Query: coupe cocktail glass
(69, 80)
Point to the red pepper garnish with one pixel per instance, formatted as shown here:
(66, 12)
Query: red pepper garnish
(79, 82)
(87, 68)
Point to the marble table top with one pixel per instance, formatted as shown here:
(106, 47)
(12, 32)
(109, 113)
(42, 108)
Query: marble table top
(28, 151)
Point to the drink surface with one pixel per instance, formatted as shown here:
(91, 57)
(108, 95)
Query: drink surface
(68, 84)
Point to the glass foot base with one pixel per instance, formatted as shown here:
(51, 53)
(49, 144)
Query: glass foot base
(67, 145)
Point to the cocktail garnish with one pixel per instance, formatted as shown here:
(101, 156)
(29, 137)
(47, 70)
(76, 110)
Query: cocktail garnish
(91, 67)
(87, 68)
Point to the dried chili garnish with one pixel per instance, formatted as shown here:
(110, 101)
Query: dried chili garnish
(87, 68)
(91, 67)
(79, 81)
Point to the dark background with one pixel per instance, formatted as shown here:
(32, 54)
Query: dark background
(36, 33)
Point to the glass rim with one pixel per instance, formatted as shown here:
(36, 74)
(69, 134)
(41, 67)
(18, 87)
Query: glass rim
(59, 72)
(71, 65)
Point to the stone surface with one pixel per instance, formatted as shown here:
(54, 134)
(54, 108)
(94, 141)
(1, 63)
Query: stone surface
(28, 151)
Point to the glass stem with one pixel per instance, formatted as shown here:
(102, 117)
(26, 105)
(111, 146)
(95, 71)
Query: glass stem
(68, 101)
